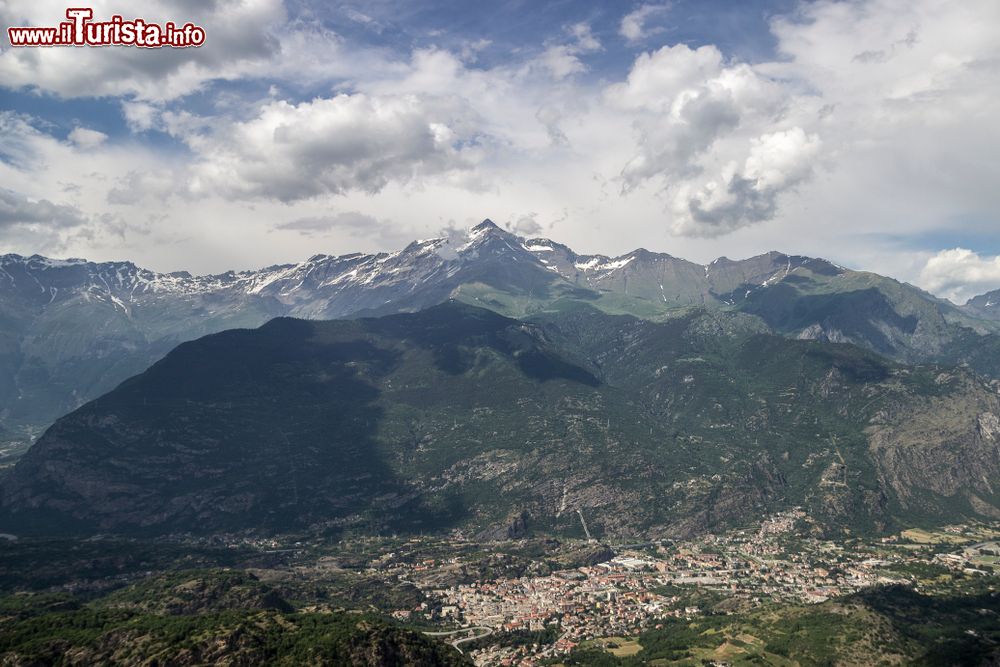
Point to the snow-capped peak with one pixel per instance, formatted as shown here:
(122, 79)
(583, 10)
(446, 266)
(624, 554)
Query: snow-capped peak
(330, 286)
(485, 226)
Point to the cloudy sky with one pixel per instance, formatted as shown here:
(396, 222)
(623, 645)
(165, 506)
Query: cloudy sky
(864, 132)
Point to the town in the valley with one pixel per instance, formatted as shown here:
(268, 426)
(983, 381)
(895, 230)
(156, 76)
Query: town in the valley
(638, 586)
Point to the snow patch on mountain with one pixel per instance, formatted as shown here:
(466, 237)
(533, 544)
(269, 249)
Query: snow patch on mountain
(333, 286)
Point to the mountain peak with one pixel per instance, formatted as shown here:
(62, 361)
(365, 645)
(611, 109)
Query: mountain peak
(990, 301)
(486, 225)
(488, 231)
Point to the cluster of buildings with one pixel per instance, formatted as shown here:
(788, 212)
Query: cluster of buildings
(972, 558)
(632, 591)
(646, 584)
(638, 587)
(590, 601)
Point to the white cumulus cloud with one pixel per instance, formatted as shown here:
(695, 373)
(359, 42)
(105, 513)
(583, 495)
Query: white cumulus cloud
(335, 145)
(86, 138)
(17, 209)
(740, 197)
(686, 101)
(563, 60)
(960, 274)
(634, 26)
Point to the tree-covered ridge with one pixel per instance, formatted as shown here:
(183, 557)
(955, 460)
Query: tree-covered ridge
(202, 617)
(457, 417)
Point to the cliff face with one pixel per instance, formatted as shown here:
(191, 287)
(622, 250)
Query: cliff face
(456, 417)
(938, 452)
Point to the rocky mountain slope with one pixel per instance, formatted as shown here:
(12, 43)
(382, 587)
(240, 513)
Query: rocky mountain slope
(458, 418)
(986, 306)
(71, 330)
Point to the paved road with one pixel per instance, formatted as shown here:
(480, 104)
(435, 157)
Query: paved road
(483, 630)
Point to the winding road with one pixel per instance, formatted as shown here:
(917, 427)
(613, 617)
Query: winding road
(485, 632)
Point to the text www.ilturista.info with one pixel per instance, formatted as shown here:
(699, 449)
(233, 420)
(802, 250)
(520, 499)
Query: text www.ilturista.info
(80, 30)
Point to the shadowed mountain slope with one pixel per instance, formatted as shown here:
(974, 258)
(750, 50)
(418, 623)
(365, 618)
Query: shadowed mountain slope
(456, 417)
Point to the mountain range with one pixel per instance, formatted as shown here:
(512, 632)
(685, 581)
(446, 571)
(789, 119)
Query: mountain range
(494, 385)
(458, 418)
(71, 330)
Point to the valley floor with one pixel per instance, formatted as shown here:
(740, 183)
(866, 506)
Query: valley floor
(766, 595)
